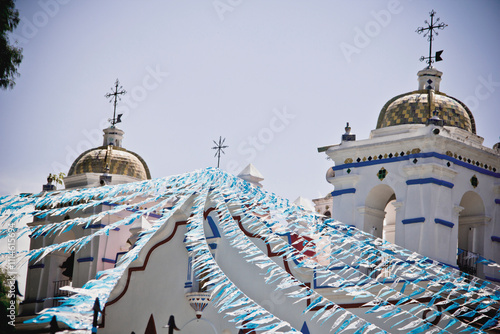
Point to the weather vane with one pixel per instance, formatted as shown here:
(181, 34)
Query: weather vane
(220, 148)
(428, 32)
(114, 97)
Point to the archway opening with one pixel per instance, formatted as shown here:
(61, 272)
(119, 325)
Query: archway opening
(380, 213)
(470, 232)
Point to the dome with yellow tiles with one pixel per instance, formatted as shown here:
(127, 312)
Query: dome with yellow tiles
(111, 158)
(418, 106)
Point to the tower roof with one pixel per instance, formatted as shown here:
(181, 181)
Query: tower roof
(113, 160)
(418, 106)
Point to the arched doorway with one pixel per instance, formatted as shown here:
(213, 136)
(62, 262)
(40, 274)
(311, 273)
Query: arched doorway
(61, 268)
(470, 232)
(379, 213)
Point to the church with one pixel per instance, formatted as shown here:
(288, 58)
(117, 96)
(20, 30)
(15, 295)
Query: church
(413, 246)
(422, 180)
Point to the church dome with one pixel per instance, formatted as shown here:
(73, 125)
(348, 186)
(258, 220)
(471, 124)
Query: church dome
(112, 160)
(418, 106)
(413, 108)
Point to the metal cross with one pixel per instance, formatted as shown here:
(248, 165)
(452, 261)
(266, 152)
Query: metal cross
(428, 32)
(220, 148)
(114, 97)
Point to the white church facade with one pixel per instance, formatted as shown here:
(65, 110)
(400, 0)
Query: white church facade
(423, 179)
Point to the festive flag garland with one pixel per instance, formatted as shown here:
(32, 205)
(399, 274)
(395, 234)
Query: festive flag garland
(339, 255)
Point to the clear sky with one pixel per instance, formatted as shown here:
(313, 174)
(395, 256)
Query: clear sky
(277, 79)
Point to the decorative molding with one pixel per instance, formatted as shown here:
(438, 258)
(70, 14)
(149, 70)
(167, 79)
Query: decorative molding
(444, 222)
(457, 209)
(413, 220)
(366, 210)
(198, 301)
(350, 179)
(429, 169)
(85, 259)
(398, 205)
(472, 162)
(476, 220)
(493, 172)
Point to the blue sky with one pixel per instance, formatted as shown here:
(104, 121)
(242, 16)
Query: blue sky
(272, 77)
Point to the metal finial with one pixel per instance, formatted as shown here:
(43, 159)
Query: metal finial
(114, 97)
(429, 32)
(220, 148)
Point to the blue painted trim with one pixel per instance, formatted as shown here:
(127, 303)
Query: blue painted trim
(495, 238)
(93, 226)
(108, 260)
(37, 266)
(493, 279)
(430, 180)
(188, 285)
(337, 268)
(418, 155)
(497, 200)
(85, 259)
(213, 227)
(305, 329)
(213, 246)
(444, 222)
(343, 191)
(413, 220)
(449, 265)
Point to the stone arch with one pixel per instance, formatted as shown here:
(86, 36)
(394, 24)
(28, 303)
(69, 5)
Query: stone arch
(471, 223)
(379, 215)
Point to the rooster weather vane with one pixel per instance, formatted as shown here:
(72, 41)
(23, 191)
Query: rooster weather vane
(429, 32)
(219, 147)
(114, 97)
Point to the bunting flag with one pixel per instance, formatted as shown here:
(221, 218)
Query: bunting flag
(412, 293)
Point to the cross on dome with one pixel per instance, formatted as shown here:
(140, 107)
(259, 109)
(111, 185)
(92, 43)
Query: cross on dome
(114, 97)
(428, 32)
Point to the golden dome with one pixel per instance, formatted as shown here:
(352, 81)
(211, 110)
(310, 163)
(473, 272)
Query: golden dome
(413, 108)
(110, 159)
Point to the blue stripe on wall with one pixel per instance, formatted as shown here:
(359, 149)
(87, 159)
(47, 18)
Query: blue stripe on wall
(430, 180)
(108, 260)
(413, 220)
(495, 238)
(444, 222)
(343, 191)
(85, 259)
